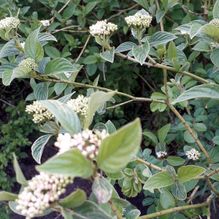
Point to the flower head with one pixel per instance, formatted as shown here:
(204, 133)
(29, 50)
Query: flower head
(79, 105)
(215, 22)
(88, 142)
(40, 114)
(28, 64)
(161, 154)
(139, 20)
(41, 191)
(45, 23)
(103, 28)
(193, 154)
(9, 23)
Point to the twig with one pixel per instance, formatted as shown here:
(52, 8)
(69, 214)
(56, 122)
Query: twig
(77, 84)
(213, 173)
(191, 132)
(191, 197)
(84, 47)
(212, 186)
(168, 68)
(119, 104)
(150, 165)
(176, 209)
(59, 11)
(145, 81)
(122, 11)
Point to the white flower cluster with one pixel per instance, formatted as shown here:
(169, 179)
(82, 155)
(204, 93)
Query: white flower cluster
(215, 22)
(193, 154)
(45, 23)
(88, 142)
(40, 114)
(139, 20)
(79, 105)
(41, 191)
(28, 64)
(9, 23)
(161, 154)
(103, 28)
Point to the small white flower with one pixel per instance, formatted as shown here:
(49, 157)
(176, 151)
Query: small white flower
(45, 23)
(9, 23)
(40, 114)
(215, 22)
(22, 45)
(28, 64)
(139, 20)
(193, 154)
(79, 105)
(88, 142)
(161, 154)
(41, 191)
(103, 28)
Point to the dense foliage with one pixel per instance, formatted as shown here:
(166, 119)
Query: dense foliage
(91, 68)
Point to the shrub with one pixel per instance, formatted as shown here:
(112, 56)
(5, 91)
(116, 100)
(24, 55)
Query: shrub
(161, 57)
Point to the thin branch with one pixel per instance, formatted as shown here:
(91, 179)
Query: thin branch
(212, 186)
(150, 165)
(77, 84)
(191, 132)
(176, 209)
(191, 197)
(84, 47)
(168, 68)
(120, 104)
(122, 11)
(213, 173)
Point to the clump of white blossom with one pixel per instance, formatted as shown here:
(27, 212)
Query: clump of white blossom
(41, 191)
(193, 154)
(88, 142)
(28, 64)
(40, 113)
(79, 105)
(103, 28)
(215, 22)
(140, 20)
(9, 23)
(22, 44)
(161, 154)
(45, 23)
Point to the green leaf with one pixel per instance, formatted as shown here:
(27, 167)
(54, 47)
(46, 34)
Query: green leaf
(33, 48)
(102, 189)
(108, 55)
(215, 57)
(200, 127)
(200, 91)
(96, 100)
(38, 147)
(161, 38)
(211, 30)
(175, 161)
(118, 149)
(110, 127)
(65, 115)
(143, 3)
(188, 137)
(216, 140)
(167, 200)
(133, 214)
(162, 132)
(41, 91)
(90, 210)
(9, 49)
(20, 178)
(216, 9)
(7, 196)
(74, 200)
(172, 51)
(187, 173)
(90, 6)
(66, 214)
(71, 163)
(140, 52)
(59, 66)
(126, 46)
(158, 181)
(151, 136)
(179, 191)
